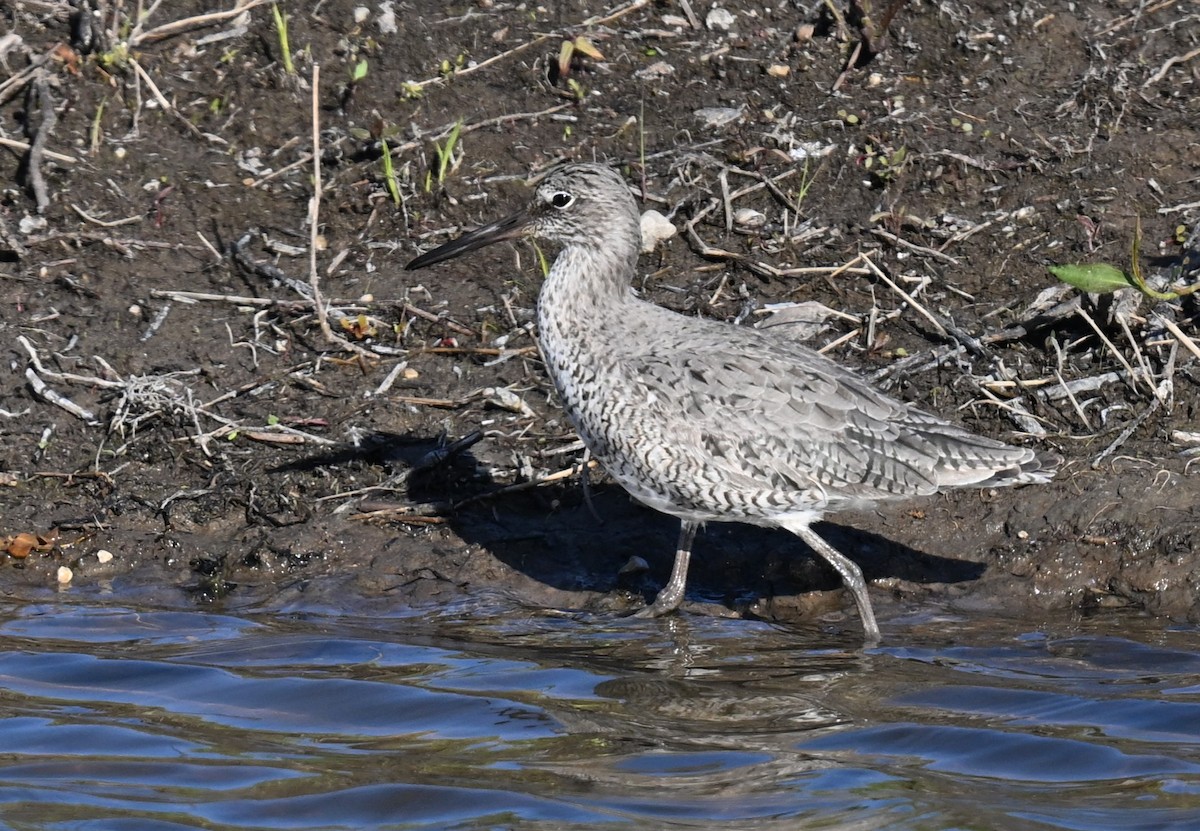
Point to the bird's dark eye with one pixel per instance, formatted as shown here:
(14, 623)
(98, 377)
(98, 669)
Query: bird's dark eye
(561, 199)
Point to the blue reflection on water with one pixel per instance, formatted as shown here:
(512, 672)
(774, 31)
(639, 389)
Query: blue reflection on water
(115, 717)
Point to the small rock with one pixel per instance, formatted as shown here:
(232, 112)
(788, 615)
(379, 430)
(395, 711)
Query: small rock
(655, 229)
(747, 219)
(778, 70)
(718, 116)
(720, 18)
(29, 224)
(804, 33)
(387, 18)
(410, 374)
(104, 556)
(635, 565)
(658, 69)
(64, 575)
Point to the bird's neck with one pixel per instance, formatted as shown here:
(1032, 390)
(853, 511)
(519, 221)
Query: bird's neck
(587, 281)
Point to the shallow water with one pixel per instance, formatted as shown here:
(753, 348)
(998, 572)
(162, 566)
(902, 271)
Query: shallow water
(488, 716)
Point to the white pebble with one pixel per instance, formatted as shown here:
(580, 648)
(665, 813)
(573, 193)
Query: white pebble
(655, 229)
(64, 575)
(387, 18)
(748, 218)
(104, 556)
(658, 69)
(720, 18)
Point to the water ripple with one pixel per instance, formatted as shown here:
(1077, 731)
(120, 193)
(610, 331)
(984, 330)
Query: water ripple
(490, 716)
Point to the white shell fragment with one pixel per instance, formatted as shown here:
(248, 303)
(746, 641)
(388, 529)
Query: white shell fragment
(720, 19)
(658, 69)
(506, 399)
(655, 229)
(809, 150)
(748, 219)
(718, 116)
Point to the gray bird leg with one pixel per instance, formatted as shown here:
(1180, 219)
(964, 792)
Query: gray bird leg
(671, 596)
(851, 575)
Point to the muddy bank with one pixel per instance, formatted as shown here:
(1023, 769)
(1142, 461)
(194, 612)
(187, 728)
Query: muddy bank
(181, 407)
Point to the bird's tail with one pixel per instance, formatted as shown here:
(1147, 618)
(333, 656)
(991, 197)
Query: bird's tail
(1036, 471)
(976, 461)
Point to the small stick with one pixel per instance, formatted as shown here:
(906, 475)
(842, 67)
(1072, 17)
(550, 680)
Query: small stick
(1015, 408)
(13, 144)
(1120, 358)
(1071, 396)
(432, 318)
(16, 83)
(771, 186)
(441, 403)
(726, 201)
(314, 218)
(314, 209)
(1182, 206)
(591, 21)
(116, 223)
(40, 91)
(917, 249)
(1187, 342)
(89, 380)
(558, 476)
(1121, 23)
(693, 21)
(169, 29)
(834, 344)
(166, 105)
(1167, 64)
(156, 323)
(1127, 432)
(908, 298)
(387, 382)
(1137, 350)
(58, 399)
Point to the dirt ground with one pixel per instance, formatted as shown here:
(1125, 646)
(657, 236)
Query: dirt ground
(169, 395)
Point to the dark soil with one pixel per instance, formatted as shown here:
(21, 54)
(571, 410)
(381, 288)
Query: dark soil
(222, 442)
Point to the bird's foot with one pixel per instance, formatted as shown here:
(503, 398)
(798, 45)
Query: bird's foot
(666, 602)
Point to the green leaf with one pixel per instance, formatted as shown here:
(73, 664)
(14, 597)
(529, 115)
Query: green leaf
(1101, 278)
(360, 71)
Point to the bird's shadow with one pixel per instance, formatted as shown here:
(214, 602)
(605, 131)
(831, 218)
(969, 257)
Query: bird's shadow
(576, 559)
(551, 535)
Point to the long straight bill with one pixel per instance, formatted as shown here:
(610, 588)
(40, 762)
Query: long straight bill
(507, 228)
